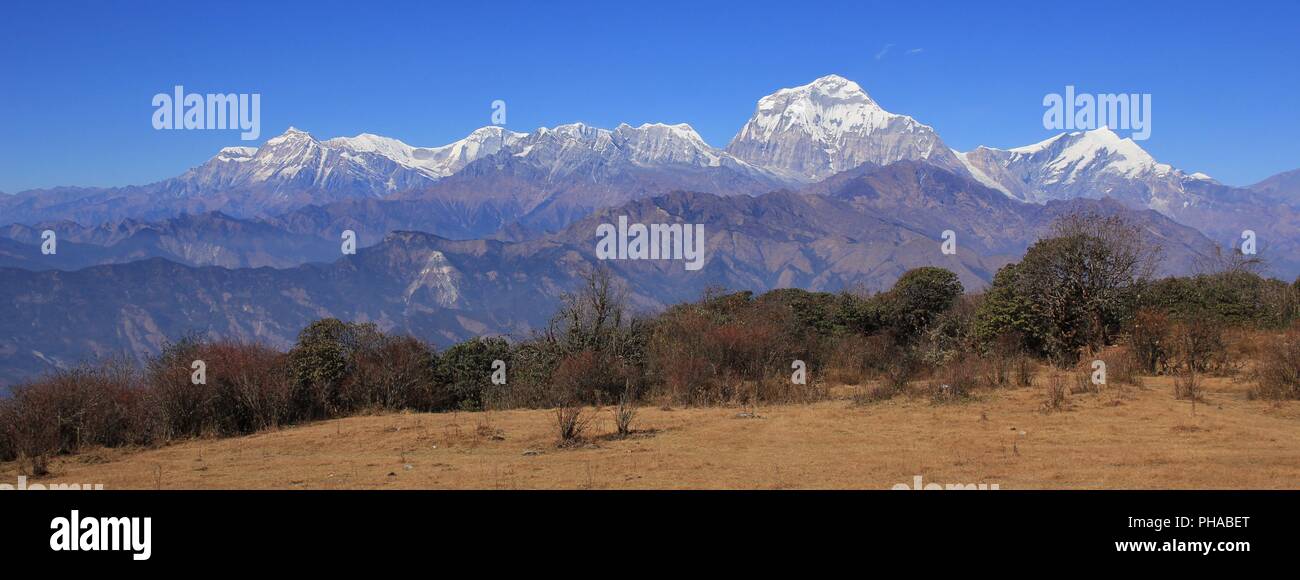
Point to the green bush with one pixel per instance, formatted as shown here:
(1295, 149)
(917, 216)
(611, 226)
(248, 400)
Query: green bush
(466, 370)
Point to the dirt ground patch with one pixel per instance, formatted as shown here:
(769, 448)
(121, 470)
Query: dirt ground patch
(1118, 438)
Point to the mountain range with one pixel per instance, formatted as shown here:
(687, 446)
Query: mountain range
(821, 189)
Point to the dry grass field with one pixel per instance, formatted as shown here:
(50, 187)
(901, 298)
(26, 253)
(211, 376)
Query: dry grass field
(1121, 438)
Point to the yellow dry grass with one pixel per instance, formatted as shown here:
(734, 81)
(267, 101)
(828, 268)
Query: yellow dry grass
(1129, 437)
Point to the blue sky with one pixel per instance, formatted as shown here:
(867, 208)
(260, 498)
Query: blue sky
(76, 79)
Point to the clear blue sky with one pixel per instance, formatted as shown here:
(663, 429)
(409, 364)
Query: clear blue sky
(76, 78)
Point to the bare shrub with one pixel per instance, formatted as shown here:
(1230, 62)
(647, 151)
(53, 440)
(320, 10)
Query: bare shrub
(395, 372)
(1083, 384)
(1056, 391)
(1277, 376)
(899, 372)
(579, 379)
(856, 358)
(1149, 337)
(571, 421)
(247, 388)
(942, 393)
(1023, 367)
(778, 388)
(1199, 347)
(1121, 365)
(8, 452)
(953, 382)
(625, 411)
(70, 410)
(875, 393)
(1187, 386)
(996, 370)
(38, 465)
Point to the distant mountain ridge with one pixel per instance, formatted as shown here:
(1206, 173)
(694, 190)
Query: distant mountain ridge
(861, 231)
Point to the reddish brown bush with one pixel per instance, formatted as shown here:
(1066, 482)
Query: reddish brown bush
(395, 373)
(247, 387)
(1149, 341)
(1198, 346)
(70, 410)
(1277, 376)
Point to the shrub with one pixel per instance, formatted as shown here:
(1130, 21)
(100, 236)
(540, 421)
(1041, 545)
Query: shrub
(466, 370)
(247, 387)
(1187, 386)
(1083, 384)
(8, 451)
(70, 410)
(1277, 376)
(571, 420)
(1081, 284)
(900, 371)
(918, 298)
(1023, 366)
(323, 358)
(856, 358)
(589, 377)
(953, 382)
(1056, 391)
(398, 372)
(995, 370)
(875, 394)
(625, 411)
(1198, 346)
(1149, 340)
(1121, 365)
(779, 389)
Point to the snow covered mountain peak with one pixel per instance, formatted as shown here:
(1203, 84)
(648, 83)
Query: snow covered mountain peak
(292, 134)
(1073, 154)
(1091, 164)
(659, 143)
(834, 87)
(236, 153)
(434, 162)
(830, 125)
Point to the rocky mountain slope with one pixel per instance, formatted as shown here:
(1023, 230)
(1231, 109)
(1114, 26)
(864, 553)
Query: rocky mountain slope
(860, 231)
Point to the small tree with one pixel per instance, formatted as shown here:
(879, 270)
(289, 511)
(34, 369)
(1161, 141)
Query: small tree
(466, 369)
(1082, 283)
(918, 298)
(323, 358)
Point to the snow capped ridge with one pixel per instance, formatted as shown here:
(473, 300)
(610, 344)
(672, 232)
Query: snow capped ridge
(648, 145)
(236, 153)
(661, 143)
(290, 135)
(831, 86)
(813, 131)
(435, 162)
(374, 165)
(1091, 164)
